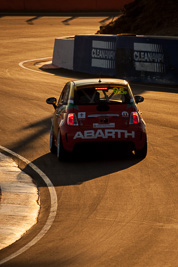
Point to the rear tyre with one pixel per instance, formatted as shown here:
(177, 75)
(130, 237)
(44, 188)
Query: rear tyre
(52, 145)
(61, 153)
(141, 153)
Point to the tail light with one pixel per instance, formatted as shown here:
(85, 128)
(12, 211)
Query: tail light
(72, 119)
(134, 118)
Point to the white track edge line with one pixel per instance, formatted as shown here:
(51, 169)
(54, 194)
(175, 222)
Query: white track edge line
(25, 61)
(53, 209)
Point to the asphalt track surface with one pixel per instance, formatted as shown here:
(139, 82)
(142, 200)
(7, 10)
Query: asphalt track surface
(112, 211)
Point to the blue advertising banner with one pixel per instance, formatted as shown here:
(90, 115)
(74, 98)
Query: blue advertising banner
(95, 54)
(147, 59)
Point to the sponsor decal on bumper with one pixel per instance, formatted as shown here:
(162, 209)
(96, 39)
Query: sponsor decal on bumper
(107, 133)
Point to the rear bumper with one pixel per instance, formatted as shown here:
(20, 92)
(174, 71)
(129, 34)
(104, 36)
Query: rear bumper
(134, 137)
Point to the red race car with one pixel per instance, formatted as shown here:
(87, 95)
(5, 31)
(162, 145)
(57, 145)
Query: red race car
(92, 111)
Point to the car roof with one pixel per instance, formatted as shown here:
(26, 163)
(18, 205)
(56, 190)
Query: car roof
(99, 81)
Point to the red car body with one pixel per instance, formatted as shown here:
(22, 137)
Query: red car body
(97, 111)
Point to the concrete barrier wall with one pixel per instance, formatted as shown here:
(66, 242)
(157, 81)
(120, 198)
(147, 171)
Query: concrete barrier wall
(111, 5)
(63, 53)
(62, 6)
(134, 58)
(11, 5)
(59, 5)
(95, 54)
(147, 59)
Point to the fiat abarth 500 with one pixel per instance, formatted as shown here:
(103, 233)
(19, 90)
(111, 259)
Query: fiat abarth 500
(92, 111)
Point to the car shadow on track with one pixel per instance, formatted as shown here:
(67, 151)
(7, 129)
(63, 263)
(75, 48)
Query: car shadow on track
(83, 165)
(80, 168)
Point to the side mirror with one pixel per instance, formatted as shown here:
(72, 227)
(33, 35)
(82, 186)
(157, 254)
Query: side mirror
(52, 101)
(139, 99)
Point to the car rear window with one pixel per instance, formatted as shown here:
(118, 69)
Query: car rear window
(108, 94)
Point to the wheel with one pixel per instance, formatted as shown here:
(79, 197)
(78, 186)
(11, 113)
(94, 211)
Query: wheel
(61, 153)
(141, 153)
(52, 145)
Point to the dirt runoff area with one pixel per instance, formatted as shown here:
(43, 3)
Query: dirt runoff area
(146, 17)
